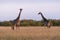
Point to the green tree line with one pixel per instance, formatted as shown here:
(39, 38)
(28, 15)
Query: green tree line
(31, 23)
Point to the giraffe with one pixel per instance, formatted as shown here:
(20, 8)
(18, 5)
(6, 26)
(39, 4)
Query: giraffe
(45, 21)
(16, 22)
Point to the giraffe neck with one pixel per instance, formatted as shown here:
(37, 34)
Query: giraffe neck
(19, 15)
(43, 17)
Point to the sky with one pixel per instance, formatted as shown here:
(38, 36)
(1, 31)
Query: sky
(9, 9)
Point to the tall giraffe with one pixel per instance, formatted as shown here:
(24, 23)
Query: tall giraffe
(45, 21)
(16, 22)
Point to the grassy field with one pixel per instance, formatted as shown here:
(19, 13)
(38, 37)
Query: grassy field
(30, 33)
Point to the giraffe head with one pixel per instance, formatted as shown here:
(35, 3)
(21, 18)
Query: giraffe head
(20, 9)
(39, 13)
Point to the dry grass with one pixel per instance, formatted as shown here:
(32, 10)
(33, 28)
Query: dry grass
(30, 33)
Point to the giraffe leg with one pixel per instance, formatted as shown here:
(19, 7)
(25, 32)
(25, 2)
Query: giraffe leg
(17, 26)
(12, 27)
(49, 24)
(45, 23)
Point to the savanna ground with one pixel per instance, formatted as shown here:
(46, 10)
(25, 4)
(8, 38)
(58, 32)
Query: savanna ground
(30, 33)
